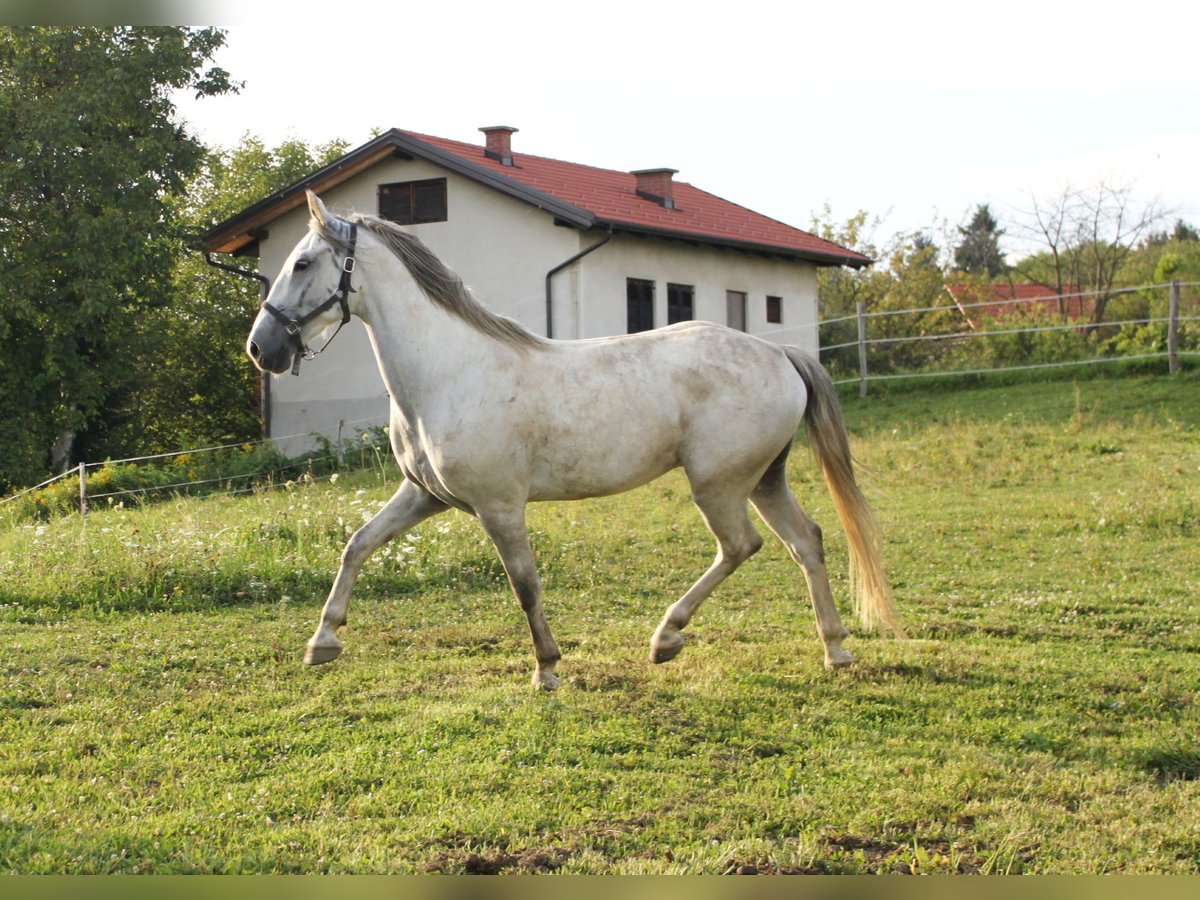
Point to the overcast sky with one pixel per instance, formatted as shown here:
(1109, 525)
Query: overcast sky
(911, 111)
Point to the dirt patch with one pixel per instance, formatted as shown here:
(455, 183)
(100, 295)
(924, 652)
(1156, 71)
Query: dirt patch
(495, 860)
(733, 867)
(901, 858)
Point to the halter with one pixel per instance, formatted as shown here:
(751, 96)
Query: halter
(293, 325)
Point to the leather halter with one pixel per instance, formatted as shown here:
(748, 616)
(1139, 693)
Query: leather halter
(293, 325)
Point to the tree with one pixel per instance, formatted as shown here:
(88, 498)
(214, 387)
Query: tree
(90, 158)
(209, 395)
(1184, 232)
(1181, 232)
(906, 275)
(1086, 235)
(979, 251)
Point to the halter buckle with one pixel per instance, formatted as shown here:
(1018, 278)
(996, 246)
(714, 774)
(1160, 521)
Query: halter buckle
(348, 265)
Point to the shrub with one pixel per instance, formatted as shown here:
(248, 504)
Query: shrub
(135, 483)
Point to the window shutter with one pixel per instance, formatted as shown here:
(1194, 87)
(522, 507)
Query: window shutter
(413, 202)
(735, 306)
(429, 201)
(679, 303)
(639, 304)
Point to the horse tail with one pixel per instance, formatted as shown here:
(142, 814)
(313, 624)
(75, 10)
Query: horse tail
(827, 437)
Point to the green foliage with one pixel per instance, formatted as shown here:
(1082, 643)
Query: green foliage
(91, 158)
(978, 253)
(133, 484)
(230, 469)
(997, 347)
(913, 326)
(1086, 237)
(237, 177)
(1178, 260)
(906, 275)
(208, 393)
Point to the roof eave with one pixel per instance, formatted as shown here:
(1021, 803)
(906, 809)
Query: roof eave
(851, 259)
(235, 232)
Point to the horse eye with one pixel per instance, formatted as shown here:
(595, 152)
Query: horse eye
(300, 266)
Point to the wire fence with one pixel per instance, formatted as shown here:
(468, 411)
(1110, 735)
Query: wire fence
(266, 471)
(1158, 323)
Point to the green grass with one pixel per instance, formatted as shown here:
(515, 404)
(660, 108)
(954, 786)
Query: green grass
(1044, 543)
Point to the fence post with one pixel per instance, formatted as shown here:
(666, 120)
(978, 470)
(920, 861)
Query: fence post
(861, 310)
(83, 505)
(1173, 330)
(341, 450)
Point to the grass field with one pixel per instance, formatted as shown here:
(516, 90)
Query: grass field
(1044, 544)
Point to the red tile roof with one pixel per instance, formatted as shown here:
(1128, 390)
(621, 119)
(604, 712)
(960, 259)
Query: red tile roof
(611, 196)
(1002, 300)
(584, 196)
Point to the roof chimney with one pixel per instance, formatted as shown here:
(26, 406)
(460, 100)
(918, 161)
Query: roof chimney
(499, 143)
(656, 185)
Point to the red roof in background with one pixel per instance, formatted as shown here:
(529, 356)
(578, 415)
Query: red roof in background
(611, 196)
(583, 196)
(1002, 300)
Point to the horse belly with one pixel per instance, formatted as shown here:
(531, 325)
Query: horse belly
(601, 462)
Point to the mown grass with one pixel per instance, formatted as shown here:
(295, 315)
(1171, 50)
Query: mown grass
(155, 715)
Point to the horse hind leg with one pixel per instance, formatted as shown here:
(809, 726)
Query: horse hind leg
(726, 516)
(802, 537)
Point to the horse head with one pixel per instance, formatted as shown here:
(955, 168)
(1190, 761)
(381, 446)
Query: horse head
(314, 280)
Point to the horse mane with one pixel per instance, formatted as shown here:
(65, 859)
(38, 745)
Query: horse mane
(437, 282)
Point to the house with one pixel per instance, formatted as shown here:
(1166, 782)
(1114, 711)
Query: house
(568, 250)
(1001, 301)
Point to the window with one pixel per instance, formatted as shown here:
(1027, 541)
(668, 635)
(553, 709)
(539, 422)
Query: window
(679, 303)
(735, 309)
(775, 310)
(639, 304)
(413, 202)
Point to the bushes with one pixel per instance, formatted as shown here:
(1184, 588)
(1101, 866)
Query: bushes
(1041, 339)
(902, 344)
(228, 469)
(134, 483)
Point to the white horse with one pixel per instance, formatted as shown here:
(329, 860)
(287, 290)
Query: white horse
(486, 417)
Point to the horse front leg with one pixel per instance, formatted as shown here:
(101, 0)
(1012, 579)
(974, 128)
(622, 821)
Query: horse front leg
(507, 530)
(410, 505)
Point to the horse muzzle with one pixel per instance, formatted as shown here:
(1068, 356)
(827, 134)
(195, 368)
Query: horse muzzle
(270, 348)
(276, 362)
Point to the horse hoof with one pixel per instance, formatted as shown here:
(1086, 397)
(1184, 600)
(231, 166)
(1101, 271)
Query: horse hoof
(663, 650)
(545, 681)
(839, 659)
(315, 656)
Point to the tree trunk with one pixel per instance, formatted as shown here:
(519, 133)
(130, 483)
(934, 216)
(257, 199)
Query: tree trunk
(60, 452)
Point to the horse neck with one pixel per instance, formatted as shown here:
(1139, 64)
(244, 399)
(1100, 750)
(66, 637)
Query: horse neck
(419, 346)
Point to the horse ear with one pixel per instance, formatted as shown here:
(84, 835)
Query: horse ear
(317, 208)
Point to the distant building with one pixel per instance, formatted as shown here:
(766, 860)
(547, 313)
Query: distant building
(998, 301)
(568, 250)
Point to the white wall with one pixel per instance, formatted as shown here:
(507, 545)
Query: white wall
(711, 271)
(503, 249)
